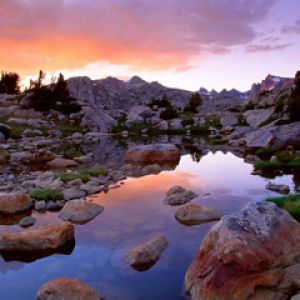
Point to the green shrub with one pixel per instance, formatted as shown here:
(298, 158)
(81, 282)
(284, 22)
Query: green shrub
(72, 151)
(269, 165)
(265, 152)
(66, 177)
(278, 165)
(213, 121)
(169, 113)
(290, 203)
(284, 156)
(94, 171)
(46, 194)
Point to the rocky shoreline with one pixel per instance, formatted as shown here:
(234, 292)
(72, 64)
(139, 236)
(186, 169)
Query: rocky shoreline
(54, 162)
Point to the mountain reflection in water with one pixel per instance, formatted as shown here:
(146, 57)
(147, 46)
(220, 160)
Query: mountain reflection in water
(134, 213)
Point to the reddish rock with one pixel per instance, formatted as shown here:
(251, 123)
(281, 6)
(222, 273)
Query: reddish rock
(43, 238)
(62, 163)
(14, 203)
(247, 255)
(152, 153)
(67, 289)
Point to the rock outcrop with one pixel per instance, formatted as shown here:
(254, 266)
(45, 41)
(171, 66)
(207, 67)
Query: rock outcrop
(277, 137)
(252, 254)
(67, 289)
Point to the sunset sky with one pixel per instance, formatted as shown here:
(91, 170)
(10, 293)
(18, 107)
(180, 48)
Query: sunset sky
(181, 43)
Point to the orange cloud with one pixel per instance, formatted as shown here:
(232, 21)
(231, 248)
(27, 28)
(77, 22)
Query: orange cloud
(57, 34)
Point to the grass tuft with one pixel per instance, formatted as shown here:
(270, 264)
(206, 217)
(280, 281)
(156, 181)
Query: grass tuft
(290, 203)
(46, 194)
(66, 177)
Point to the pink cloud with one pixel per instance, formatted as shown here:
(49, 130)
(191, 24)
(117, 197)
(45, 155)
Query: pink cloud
(54, 34)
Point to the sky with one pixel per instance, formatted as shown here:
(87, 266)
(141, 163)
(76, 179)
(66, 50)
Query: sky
(181, 43)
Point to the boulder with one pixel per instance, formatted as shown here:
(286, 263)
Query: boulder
(229, 120)
(43, 238)
(2, 138)
(14, 203)
(152, 153)
(248, 255)
(263, 138)
(176, 124)
(280, 188)
(62, 163)
(27, 221)
(144, 256)
(259, 117)
(80, 211)
(73, 193)
(177, 195)
(277, 137)
(67, 289)
(193, 214)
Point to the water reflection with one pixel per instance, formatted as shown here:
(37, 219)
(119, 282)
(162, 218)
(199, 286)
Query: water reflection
(31, 256)
(133, 214)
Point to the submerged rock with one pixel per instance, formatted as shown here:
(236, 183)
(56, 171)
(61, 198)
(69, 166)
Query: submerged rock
(177, 195)
(80, 211)
(193, 214)
(280, 188)
(152, 153)
(14, 203)
(251, 254)
(46, 237)
(67, 289)
(27, 221)
(144, 256)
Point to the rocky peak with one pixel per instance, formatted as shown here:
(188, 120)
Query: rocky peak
(137, 80)
(271, 83)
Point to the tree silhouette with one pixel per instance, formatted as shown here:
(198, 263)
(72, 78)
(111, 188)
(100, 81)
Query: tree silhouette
(294, 101)
(9, 83)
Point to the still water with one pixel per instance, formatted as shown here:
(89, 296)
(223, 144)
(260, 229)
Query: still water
(134, 213)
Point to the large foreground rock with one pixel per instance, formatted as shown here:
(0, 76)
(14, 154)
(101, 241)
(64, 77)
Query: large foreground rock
(14, 203)
(193, 214)
(152, 153)
(80, 211)
(144, 256)
(251, 254)
(67, 289)
(44, 238)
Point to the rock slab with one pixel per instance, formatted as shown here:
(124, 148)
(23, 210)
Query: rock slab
(193, 214)
(80, 211)
(43, 238)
